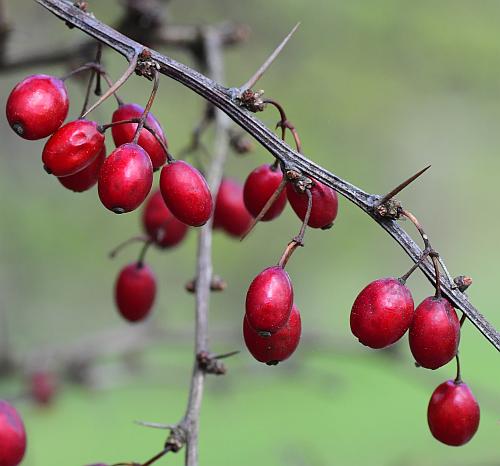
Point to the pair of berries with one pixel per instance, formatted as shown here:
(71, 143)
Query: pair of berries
(384, 311)
(236, 205)
(264, 181)
(12, 435)
(272, 325)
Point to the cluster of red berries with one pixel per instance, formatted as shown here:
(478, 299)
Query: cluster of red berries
(381, 315)
(75, 153)
(272, 324)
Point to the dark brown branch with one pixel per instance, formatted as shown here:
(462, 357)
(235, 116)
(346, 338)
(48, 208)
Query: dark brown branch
(228, 101)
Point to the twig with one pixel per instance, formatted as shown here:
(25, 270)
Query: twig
(226, 100)
(190, 423)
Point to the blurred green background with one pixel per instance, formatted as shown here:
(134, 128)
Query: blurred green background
(378, 90)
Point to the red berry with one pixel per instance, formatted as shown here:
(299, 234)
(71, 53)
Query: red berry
(12, 436)
(86, 178)
(37, 106)
(230, 211)
(260, 185)
(453, 413)
(382, 313)
(434, 333)
(72, 148)
(186, 193)
(126, 132)
(160, 224)
(125, 178)
(269, 300)
(43, 387)
(277, 347)
(135, 291)
(324, 204)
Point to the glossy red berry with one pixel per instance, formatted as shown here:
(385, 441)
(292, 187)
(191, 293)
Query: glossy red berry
(86, 178)
(453, 413)
(37, 106)
(260, 185)
(160, 224)
(324, 204)
(43, 387)
(277, 347)
(125, 178)
(12, 436)
(382, 313)
(230, 212)
(125, 133)
(269, 300)
(434, 333)
(72, 148)
(186, 193)
(135, 291)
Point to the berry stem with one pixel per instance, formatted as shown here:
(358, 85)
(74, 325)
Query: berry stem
(98, 87)
(103, 128)
(94, 66)
(144, 250)
(157, 456)
(142, 120)
(266, 207)
(458, 378)
(463, 319)
(299, 239)
(114, 252)
(285, 124)
(128, 72)
(432, 253)
(414, 267)
(87, 93)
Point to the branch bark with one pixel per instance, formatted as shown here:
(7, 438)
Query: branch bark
(190, 424)
(226, 99)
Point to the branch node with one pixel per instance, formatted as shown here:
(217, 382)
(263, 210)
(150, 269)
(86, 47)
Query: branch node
(177, 439)
(300, 182)
(216, 284)
(462, 282)
(210, 364)
(391, 209)
(252, 100)
(146, 66)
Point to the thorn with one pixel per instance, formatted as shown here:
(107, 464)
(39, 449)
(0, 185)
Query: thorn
(260, 72)
(154, 425)
(402, 186)
(227, 355)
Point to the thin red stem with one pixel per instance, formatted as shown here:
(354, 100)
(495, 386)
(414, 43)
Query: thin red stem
(145, 114)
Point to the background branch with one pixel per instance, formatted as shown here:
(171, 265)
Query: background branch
(212, 52)
(227, 100)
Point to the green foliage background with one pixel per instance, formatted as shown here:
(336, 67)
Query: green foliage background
(378, 90)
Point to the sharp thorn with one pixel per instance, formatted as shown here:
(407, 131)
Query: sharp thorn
(402, 186)
(154, 425)
(227, 355)
(260, 72)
